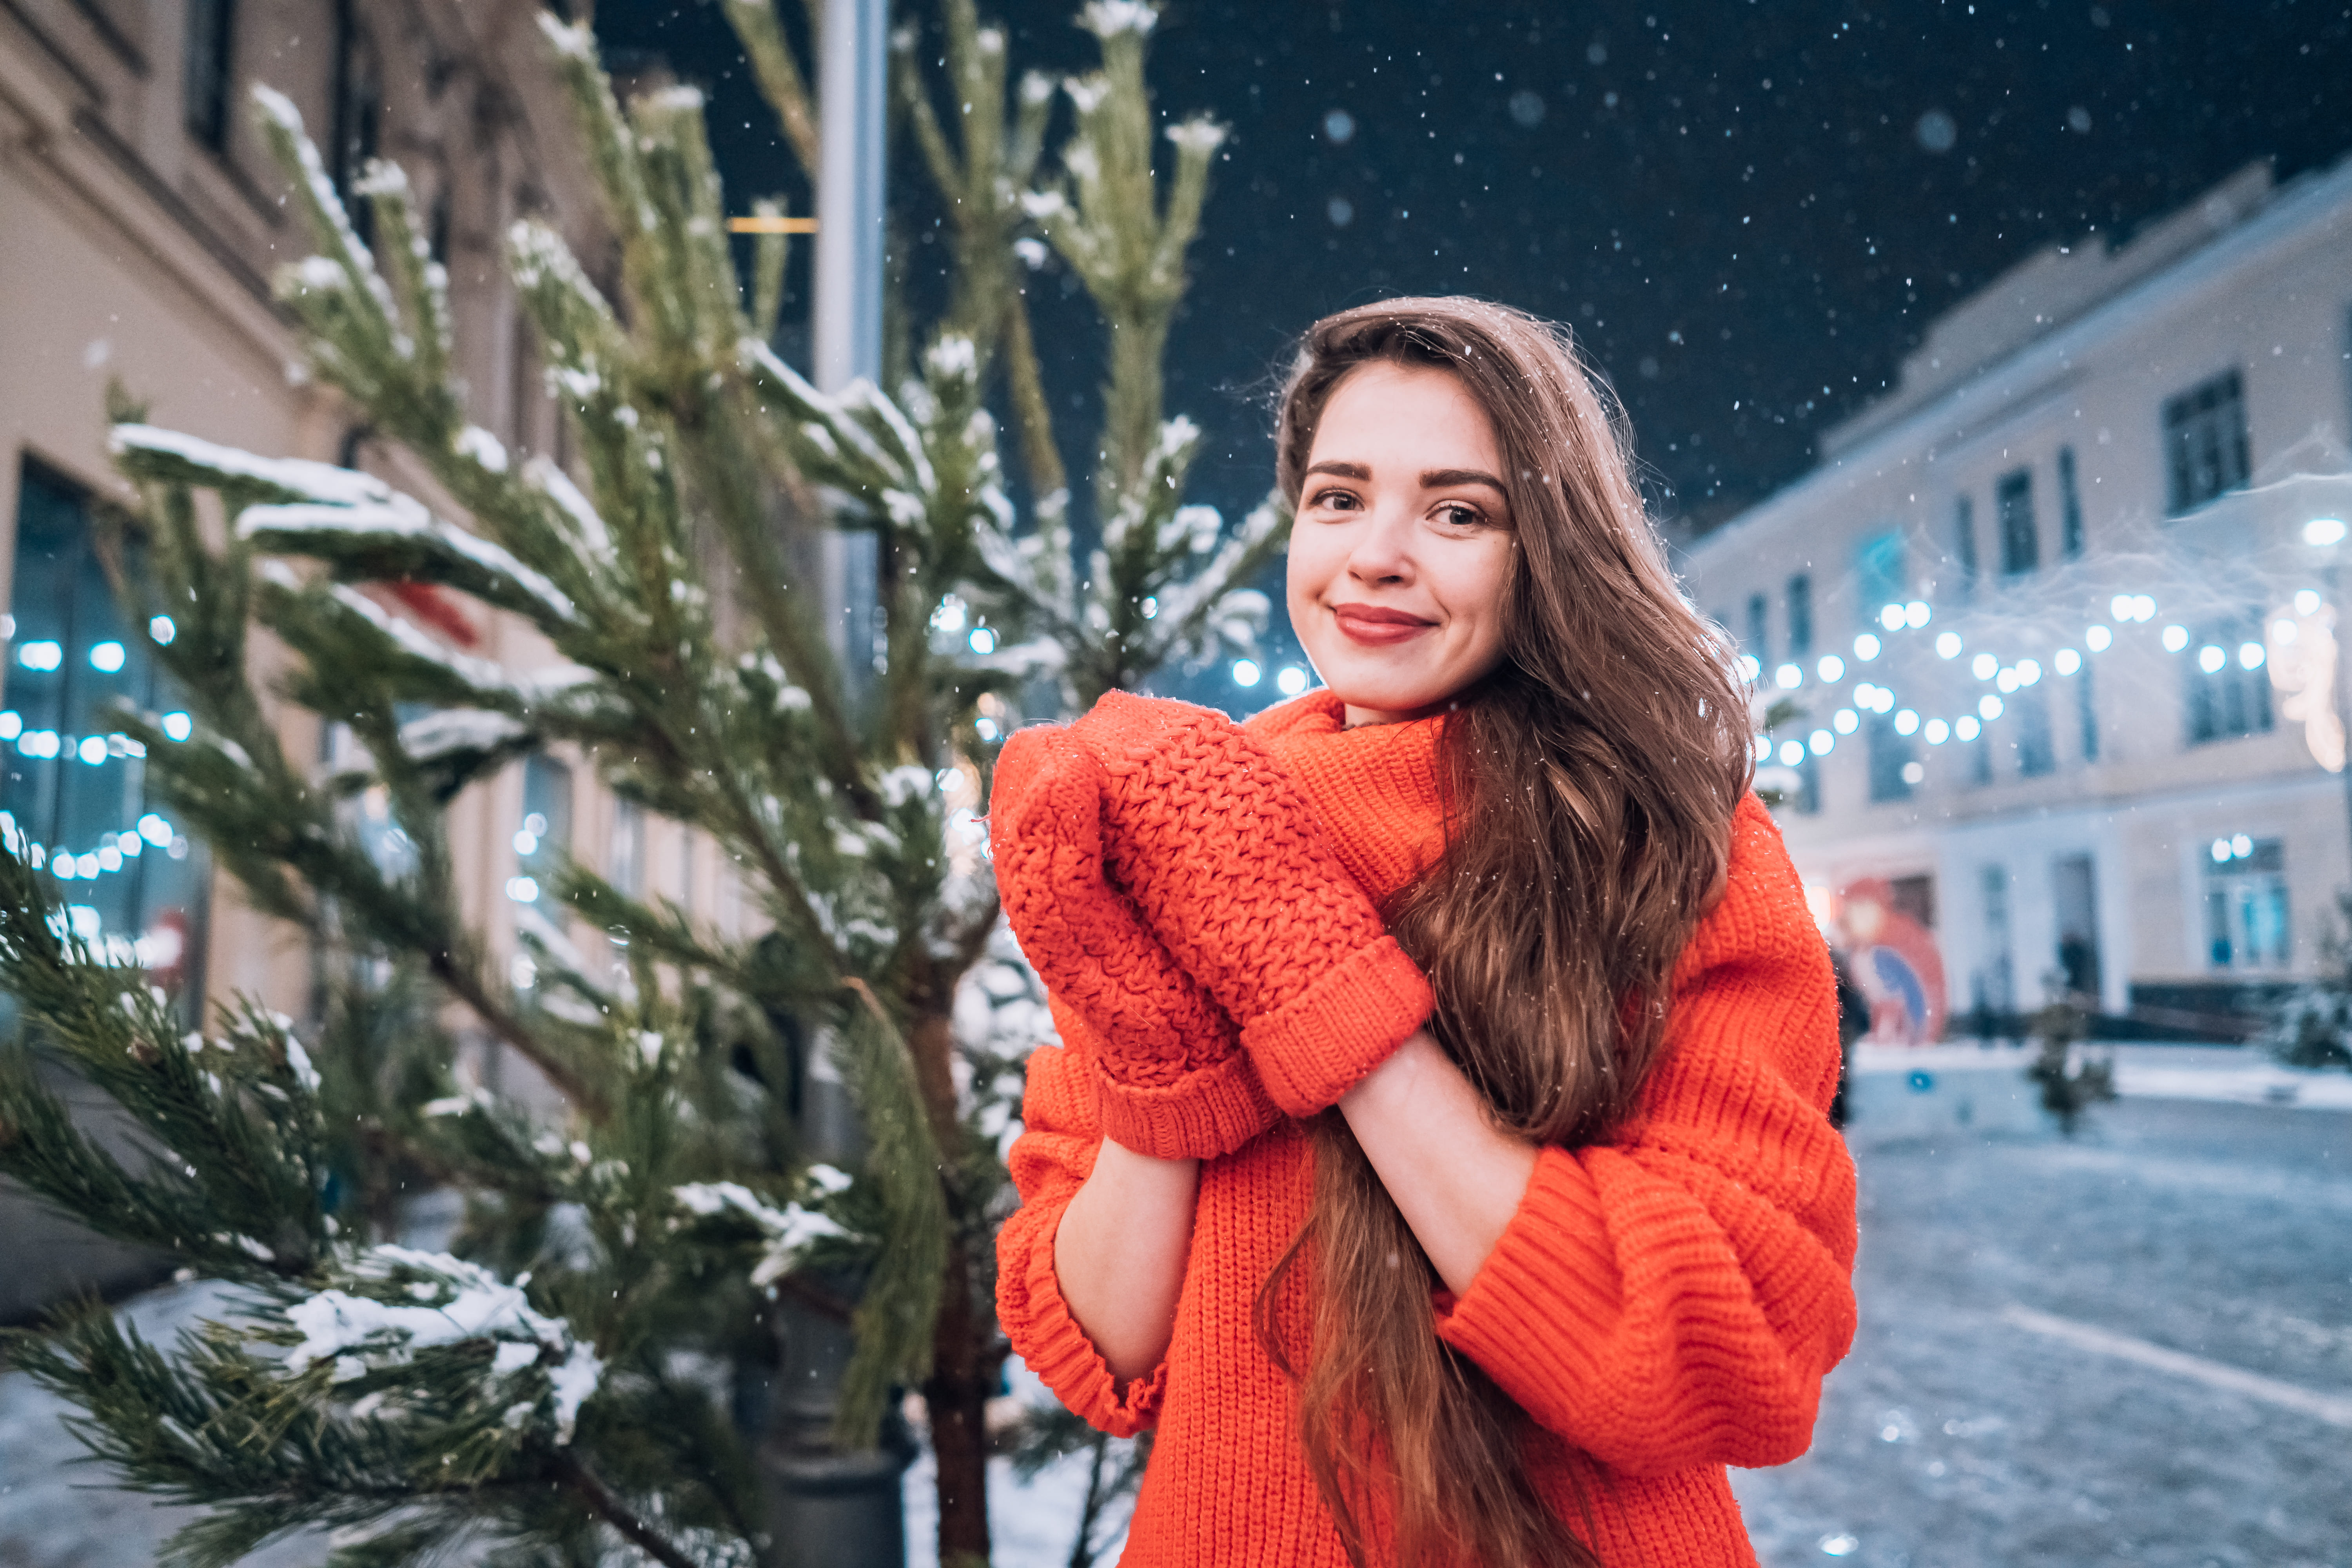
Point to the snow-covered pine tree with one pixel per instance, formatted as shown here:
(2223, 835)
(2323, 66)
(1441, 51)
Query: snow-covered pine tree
(558, 1386)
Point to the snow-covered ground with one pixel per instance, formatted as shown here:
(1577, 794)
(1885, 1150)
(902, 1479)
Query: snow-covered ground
(2135, 1347)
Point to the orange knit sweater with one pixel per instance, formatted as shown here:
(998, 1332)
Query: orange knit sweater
(1662, 1304)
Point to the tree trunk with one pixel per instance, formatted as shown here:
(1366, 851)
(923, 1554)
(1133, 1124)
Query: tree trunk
(955, 1393)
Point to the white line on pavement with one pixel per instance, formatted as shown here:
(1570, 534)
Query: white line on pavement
(2334, 1409)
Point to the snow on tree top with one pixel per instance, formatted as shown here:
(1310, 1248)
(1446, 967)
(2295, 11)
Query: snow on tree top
(1106, 18)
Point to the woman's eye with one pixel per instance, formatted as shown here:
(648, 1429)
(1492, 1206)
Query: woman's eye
(1336, 500)
(1459, 516)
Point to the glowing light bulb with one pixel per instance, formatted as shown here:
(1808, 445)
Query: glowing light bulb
(1915, 613)
(2211, 658)
(1948, 645)
(1968, 729)
(2306, 603)
(1846, 721)
(1245, 672)
(2097, 638)
(1891, 617)
(2067, 661)
(2175, 638)
(1820, 740)
(1984, 667)
(1936, 732)
(2323, 531)
(1866, 646)
(1831, 668)
(1791, 753)
(1906, 722)
(1989, 706)
(2249, 656)
(1788, 678)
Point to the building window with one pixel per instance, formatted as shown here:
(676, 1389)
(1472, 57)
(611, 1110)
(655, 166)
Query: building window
(126, 874)
(1809, 784)
(2086, 713)
(2206, 447)
(2070, 507)
(1892, 758)
(359, 114)
(2036, 754)
(208, 71)
(1760, 615)
(542, 843)
(1964, 541)
(625, 869)
(1995, 987)
(2020, 545)
(2226, 697)
(1878, 574)
(2245, 904)
(1800, 616)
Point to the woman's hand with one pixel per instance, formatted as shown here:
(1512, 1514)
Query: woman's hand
(1454, 1175)
(1120, 1255)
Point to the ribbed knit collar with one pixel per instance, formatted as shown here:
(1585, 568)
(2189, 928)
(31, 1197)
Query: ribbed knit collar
(1373, 788)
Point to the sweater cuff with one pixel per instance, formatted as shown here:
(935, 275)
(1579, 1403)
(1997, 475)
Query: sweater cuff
(1548, 1296)
(1319, 1046)
(1207, 1113)
(1065, 1361)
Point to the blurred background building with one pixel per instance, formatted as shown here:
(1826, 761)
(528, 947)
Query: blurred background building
(2056, 615)
(140, 222)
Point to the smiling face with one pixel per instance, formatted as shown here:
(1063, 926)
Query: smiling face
(1401, 553)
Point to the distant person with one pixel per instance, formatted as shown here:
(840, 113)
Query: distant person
(1437, 1156)
(1854, 1024)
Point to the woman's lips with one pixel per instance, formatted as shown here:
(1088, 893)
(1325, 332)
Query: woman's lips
(1371, 624)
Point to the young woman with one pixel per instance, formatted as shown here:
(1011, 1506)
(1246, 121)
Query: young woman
(1435, 1154)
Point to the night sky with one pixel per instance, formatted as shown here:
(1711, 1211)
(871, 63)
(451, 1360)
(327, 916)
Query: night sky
(1758, 205)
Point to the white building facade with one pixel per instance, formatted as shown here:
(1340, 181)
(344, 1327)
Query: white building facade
(2056, 617)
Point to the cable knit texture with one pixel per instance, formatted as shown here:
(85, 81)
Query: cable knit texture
(1169, 1070)
(1662, 1305)
(1223, 855)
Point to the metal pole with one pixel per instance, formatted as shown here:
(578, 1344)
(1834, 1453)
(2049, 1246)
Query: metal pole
(847, 330)
(829, 1509)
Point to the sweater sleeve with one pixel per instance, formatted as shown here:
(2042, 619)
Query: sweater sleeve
(1050, 1160)
(1674, 1298)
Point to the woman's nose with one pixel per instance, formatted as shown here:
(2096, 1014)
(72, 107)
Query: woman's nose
(1384, 551)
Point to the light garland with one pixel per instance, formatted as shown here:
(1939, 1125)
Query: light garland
(2006, 677)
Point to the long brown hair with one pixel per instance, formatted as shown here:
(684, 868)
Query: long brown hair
(1602, 763)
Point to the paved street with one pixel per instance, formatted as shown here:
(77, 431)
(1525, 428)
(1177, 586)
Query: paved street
(2135, 1348)
(1958, 1436)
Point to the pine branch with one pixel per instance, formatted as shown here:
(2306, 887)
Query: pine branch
(779, 74)
(901, 1296)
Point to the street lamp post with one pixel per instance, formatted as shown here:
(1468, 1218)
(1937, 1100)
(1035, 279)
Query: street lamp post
(827, 1509)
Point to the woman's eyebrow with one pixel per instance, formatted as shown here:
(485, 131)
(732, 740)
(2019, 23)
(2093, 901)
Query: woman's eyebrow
(1442, 478)
(1344, 470)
